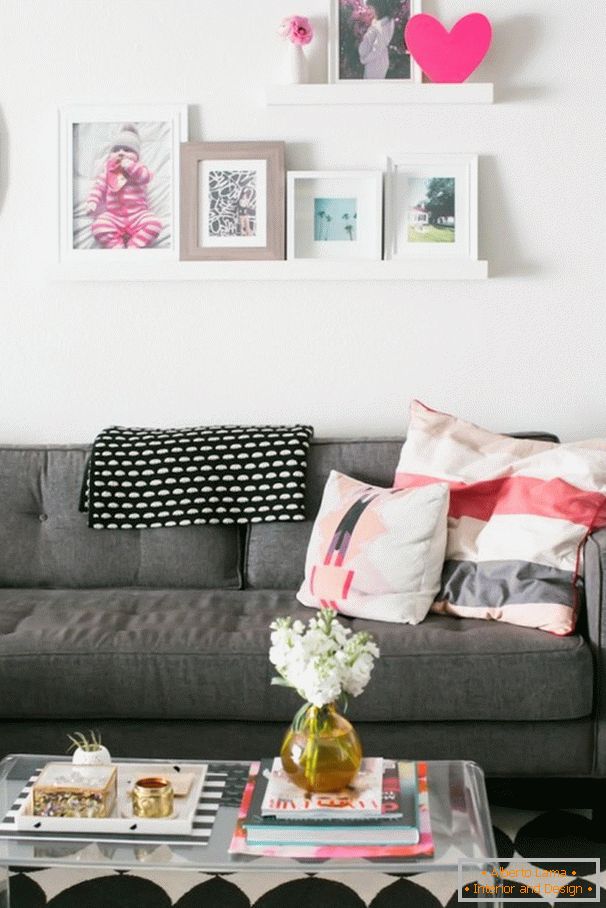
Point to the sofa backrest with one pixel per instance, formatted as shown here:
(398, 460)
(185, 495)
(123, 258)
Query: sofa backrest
(45, 540)
(275, 554)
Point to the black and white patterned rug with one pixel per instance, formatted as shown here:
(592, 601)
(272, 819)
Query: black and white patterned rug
(521, 834)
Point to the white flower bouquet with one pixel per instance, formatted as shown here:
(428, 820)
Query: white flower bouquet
(324, 662)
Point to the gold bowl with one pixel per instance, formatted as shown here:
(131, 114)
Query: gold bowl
(153, 798)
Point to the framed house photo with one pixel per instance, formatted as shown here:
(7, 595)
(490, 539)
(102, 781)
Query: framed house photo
(119, 179)
(232, 200)
(366, 41)
(335, 215)
(432, 206)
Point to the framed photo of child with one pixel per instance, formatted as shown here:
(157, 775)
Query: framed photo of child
(367, 41)
(119, 182)
(232, 201)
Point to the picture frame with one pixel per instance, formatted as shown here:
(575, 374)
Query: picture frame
(335, 215)
(119, 183)
(232, 201)
(431, 206)
(353, 55)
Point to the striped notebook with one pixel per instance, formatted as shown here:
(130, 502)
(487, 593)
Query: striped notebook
(208, 805)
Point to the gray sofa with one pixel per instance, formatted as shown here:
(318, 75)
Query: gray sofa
(159, 639)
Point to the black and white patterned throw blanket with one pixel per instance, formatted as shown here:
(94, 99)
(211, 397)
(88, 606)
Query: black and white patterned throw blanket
(146, 478)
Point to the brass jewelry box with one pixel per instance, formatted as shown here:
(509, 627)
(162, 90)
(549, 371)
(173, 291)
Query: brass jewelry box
(75, 791)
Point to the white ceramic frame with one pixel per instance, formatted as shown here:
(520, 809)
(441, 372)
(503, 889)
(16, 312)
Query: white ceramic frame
(176, 115)
(416, 75)
(374, 189)
(467, 164)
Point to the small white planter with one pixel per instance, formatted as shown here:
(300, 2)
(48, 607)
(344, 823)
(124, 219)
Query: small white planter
(98, 757)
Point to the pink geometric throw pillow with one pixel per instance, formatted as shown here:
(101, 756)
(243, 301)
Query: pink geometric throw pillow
(376, 553)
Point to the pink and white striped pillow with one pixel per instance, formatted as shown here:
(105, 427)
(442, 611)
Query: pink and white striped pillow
(520, 511)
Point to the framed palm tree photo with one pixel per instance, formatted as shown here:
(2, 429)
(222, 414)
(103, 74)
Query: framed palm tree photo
(335, 215)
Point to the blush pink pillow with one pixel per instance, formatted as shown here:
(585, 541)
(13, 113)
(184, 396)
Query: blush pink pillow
(376, 553)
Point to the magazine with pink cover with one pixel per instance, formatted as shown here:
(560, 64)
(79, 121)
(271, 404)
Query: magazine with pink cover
(423, 848)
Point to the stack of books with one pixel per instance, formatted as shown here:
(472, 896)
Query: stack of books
(384, 813)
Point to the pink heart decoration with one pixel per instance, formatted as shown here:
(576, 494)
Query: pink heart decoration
(448, 56)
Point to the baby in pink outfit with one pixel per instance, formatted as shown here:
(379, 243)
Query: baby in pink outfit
(118, 200)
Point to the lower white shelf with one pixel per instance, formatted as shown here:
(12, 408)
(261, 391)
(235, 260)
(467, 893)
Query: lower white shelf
(300, 270)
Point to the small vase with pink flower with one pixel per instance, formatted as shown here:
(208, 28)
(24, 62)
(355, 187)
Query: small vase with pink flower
(298, 32)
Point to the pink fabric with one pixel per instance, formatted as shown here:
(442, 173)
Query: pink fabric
(376, 553)
(119, 199)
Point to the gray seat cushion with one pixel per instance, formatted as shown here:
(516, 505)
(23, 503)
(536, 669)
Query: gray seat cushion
(194, 654)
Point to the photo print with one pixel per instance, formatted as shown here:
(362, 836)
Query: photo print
(367, 40)
(431, 210)
(335, 220)
(232, 203)
(122, 191)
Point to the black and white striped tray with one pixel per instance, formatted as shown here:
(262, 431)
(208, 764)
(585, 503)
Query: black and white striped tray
(204, 818)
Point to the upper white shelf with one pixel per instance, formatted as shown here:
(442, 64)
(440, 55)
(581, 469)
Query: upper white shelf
(380, 93)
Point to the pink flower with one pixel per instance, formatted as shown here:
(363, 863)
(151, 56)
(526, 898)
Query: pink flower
(297, 29)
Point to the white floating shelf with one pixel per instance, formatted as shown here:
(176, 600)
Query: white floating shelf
(380, 93)
(312, 270)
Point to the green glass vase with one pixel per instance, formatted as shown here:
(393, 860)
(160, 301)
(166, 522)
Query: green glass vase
(321, 750)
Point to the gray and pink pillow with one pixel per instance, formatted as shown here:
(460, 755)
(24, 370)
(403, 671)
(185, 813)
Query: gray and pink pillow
(520, 511)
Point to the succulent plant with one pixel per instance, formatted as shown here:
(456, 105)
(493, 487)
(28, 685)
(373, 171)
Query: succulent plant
(80, 741)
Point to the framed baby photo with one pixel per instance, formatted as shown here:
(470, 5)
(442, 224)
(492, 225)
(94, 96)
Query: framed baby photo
(431, 206)
(119, 182)
(366, 41)
(232, 201)
(335, 215)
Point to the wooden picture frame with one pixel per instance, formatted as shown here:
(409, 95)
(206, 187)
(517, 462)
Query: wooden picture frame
(232, 201)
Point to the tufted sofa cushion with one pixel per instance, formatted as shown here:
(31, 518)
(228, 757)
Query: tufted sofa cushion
(45, 541)
(191, 654)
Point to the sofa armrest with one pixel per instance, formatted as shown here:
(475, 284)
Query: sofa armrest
(595, 599)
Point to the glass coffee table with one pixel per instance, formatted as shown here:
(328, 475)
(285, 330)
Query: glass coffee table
(460, 822)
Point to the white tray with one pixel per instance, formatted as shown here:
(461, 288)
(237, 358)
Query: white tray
(123, 820)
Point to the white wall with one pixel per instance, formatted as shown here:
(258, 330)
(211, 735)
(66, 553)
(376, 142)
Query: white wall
(525, 349)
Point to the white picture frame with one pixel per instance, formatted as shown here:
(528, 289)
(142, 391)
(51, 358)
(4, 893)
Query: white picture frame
(334, 215)
(338, 66)
(418, 223)
(88, 134)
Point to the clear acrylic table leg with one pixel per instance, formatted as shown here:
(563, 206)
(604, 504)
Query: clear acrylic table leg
(5, 899)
